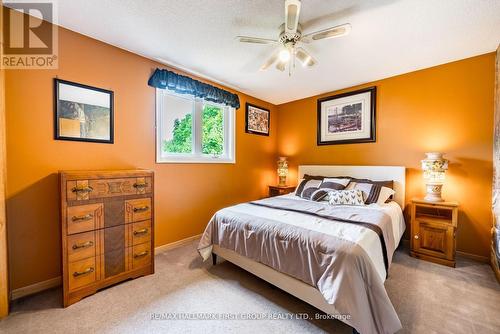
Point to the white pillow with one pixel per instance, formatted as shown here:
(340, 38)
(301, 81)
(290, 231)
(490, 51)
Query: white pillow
(385, 194)
(346, 197)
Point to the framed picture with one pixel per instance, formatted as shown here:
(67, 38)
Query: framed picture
(257, 120)
(82, 113)
(347, 118)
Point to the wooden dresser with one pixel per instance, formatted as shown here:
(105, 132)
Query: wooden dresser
(107, 225)
(433, 228)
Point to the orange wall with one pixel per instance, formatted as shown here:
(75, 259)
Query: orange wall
(448, 108)
(186, 194)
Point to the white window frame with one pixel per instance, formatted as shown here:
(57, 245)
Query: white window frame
(196, 156)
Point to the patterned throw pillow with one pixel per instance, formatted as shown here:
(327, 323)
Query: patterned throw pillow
(346, 197)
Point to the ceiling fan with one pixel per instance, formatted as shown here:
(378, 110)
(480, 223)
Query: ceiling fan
(290, 39)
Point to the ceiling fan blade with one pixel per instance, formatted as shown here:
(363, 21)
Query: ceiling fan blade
(255, 40)
(332, 32)
(280, 66)
(271, 60)
(292, 13)
(304, 57)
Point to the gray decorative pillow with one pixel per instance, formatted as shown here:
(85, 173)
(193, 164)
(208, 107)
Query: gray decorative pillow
(335, 183)
(317, 190)
(373, 193)
(307, 187)
(346, 197)
(320, 194)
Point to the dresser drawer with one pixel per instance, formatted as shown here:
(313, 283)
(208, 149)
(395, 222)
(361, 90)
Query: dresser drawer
(83, 218)
(137, 210)
(81, 246)
(82, 273)
(141, 255)
(141, 232)
(101, 188)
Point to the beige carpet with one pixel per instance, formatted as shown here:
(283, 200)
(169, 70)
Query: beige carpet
(429, 298)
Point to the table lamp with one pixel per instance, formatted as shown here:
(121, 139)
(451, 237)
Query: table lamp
(282, 171)
(434, 167)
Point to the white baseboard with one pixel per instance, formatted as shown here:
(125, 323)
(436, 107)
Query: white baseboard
(57, 281)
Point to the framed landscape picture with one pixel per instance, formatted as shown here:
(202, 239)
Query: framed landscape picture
(347, 118)
(82, 113)
(257, 120)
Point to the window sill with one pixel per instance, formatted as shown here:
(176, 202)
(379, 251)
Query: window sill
(196, 161)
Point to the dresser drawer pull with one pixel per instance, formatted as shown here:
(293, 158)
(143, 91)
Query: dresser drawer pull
(85, 272)
(83, 245)
(141, 254)
(80, 189)
(82, 218)
(140, 185)
(141, 209)
(143, 231)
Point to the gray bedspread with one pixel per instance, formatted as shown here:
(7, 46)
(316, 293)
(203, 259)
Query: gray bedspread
(310, 248)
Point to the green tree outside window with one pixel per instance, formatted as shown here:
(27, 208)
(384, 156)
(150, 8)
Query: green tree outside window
(212, 133)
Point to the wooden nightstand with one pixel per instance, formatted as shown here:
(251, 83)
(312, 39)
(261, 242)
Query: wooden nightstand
(280, 190)
(433, 227)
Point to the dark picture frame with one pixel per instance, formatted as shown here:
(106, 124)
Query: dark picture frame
(356, 122)
(75, 120)
(252, 122)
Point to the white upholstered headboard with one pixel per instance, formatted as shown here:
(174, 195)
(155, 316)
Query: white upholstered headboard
(375, 173)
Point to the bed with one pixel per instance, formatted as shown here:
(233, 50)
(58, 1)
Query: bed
(336, 258)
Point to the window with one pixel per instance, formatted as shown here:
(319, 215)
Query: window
(190, 129)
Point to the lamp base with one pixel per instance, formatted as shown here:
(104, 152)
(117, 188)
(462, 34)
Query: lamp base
(282, 181)
(433, 193)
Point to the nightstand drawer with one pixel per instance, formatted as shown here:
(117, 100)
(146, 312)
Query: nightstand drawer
(278, 190)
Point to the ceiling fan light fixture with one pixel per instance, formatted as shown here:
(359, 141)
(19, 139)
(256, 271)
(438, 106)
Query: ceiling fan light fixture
(284, 55)
(291, 39)
(304, 57)
(306, 61)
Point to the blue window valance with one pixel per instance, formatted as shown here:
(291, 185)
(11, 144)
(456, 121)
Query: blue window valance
(181, 84)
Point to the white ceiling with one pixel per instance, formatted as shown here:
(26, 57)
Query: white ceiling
(388, 37)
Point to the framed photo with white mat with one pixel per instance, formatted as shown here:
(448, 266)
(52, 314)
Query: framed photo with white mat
(347, 118)
(82, 112)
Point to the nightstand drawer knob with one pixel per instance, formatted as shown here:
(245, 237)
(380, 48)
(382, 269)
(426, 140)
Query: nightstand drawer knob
(416, 236)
